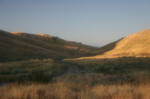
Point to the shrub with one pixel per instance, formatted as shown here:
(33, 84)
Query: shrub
(20, 71)
(109, 69)
(35, 76)
(40, 77)
(13, 72)
(5, 72)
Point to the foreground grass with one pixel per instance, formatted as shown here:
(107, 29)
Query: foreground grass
(80, 86)
(19, 70)
(101, 83)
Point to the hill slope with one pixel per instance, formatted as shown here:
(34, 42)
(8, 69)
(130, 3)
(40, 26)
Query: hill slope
(137, 44)
(132, 45)
(17, 45)
(105, 48)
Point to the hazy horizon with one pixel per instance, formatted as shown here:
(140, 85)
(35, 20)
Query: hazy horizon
(95, 22)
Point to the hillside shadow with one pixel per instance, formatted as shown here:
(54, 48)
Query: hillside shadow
(105, 48)
(18, 46)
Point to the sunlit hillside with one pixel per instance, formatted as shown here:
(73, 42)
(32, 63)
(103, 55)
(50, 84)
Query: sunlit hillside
(18, 45)
(105, 48)
(137, 44)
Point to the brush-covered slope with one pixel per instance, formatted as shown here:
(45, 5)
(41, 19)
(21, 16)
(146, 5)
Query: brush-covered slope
(137, 44)
(17, 45)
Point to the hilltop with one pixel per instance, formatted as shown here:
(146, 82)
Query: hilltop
(18, 45)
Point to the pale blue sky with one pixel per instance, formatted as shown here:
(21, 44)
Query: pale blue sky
(92, 22)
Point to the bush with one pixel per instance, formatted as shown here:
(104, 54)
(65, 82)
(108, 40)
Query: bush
(39, 76)
(106, 69)
(35, 76)
(13, 72)
(20, 71)
(5, 72)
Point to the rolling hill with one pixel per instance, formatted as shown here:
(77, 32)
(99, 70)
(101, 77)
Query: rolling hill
(17, 45)
(137, 44)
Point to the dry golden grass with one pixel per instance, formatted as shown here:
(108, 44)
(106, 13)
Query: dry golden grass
(78, 87)
(16, 32)
(137, 45)
(134, 85)
(74, 47)
(45, 35)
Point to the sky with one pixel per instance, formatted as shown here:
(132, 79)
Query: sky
(91, 22)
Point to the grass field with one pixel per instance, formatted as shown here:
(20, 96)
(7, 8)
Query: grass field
(80, 86)
(120, 70)
(12, 71)
(133, 64)
(94, 82)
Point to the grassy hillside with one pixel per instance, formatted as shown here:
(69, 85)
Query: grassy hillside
(105, 48)
(137, 44)
(17, 45)
(133, 45)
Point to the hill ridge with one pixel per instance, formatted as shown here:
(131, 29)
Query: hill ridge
(28, 46)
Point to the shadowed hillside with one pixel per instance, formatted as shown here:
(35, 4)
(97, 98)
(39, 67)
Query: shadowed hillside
(17, 45)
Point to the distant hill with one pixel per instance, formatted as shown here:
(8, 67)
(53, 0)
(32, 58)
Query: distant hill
(137, 44)
(18, 45)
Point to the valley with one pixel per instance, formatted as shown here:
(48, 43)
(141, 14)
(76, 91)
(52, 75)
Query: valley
(40, 66)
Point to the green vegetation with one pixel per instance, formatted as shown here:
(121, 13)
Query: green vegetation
(36, 77)
(13, 72)
(121, 71)
(29, 70)
(114, 65)
(110, 69)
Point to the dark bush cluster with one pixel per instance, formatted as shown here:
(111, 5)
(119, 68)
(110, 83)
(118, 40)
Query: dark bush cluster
(136, 64)
(110, 68)
(119, 67)
(13, 72)
(35, 76)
